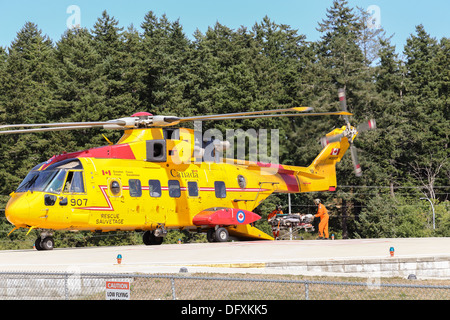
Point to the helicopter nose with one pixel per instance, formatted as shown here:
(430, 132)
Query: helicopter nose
(17, 209)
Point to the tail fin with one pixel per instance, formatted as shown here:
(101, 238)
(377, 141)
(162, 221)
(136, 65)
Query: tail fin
(320, 175)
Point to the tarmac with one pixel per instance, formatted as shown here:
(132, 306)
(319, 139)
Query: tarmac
(423, 257)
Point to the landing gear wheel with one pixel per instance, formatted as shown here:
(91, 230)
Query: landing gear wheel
(221, 235)
(150, 239)
(211, 235)
(37, 244)
(47, 244)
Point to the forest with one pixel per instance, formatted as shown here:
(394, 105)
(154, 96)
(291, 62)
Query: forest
(108, 72)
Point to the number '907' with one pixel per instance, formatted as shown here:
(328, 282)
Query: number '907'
(78, 202)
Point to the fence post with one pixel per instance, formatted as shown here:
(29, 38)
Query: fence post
(172, 280)
(66, 285)
(306, 291)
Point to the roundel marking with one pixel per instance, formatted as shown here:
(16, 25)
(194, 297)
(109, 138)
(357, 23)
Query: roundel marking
(240, 216)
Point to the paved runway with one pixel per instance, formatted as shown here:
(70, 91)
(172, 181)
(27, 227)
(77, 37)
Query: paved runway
(292, 257)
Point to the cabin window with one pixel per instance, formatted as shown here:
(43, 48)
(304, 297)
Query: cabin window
(155, 188)
(50, 199)
(74, 182)
(114, 186)
(193, 189)
(135, 187)
(174, 189)
(241, 181)
(221, 191)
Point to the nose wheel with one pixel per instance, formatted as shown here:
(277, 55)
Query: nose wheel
(44, 242)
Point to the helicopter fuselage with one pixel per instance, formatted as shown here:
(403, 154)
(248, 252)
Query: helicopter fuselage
(150, 181)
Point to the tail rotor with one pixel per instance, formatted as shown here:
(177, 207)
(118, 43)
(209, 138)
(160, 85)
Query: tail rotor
(349, 132)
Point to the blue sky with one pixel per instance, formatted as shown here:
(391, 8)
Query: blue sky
(398, 17)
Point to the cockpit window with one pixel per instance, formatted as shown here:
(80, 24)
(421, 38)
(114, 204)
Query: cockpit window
(36, 181)
(52, 179)
(55, 186)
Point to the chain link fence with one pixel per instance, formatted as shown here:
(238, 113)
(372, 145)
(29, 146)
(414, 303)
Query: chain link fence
(79, 286)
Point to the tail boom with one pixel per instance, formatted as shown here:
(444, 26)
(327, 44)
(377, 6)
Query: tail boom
(320, 175)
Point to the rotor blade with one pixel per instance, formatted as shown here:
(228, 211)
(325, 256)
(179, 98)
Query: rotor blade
(164, 121)
(45, 129)
(342, 99)
(64, 124)
(343, 104)
(280, 115)
(356, 166)
(242, 114)
(365, 126)
(329, 139)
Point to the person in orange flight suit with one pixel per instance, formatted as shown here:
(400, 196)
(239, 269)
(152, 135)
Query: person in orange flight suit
(273, 214)
(322, 213)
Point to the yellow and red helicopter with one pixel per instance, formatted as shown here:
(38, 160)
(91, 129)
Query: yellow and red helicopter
(150, 181)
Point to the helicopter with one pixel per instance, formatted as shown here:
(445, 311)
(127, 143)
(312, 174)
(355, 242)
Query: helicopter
(152, 180)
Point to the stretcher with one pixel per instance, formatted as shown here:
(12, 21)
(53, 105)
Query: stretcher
(289, 226)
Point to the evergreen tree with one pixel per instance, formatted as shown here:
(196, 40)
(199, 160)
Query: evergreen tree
(134, 70)
(386, 158)
(29, 63)
(338, 48)
(386, 217)
(165, 59)
(3, 78)
(119, 98)
(81, 88)
(28, 97)
(426, 105)
(290, 80)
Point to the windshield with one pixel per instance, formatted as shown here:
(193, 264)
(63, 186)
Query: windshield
(49, 181)
(52, 178)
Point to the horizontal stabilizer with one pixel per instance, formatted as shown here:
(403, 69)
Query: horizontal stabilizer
(247, 232)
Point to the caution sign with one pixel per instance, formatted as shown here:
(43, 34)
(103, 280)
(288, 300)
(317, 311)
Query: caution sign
(117, 290)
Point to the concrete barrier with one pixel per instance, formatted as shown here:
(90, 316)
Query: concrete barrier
(423, 267)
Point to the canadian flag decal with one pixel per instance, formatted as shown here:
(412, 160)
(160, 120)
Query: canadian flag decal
(335, 151)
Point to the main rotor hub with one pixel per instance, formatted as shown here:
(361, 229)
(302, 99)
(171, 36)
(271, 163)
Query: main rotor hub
(350, 133)
(143, 119)
(142, 114)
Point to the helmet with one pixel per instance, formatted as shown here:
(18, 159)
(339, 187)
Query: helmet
(316, 201)
(278, 207)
